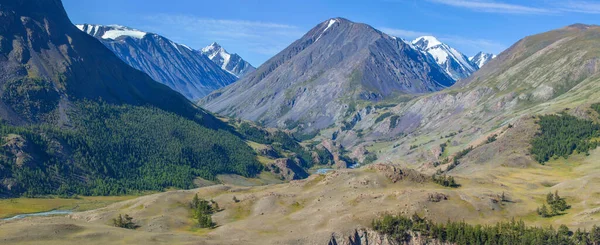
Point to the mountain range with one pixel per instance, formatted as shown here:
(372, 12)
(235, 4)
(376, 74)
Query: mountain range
(317, 80)
(543, 73)
(183, 69)
(425, 130)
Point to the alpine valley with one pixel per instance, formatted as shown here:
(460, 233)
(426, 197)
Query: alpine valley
(347, 136)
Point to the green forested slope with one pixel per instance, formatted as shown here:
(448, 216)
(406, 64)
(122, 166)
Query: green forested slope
(115, 150)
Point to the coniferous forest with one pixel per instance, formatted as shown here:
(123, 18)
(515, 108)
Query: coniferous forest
(562, 135)
(402, 229)
(115, 150)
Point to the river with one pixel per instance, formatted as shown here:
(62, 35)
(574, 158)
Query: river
(53, 212)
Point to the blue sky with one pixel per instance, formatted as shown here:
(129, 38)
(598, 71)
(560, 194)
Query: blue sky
(259, 29)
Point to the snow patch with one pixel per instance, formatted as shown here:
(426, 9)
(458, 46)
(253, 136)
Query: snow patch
(117, 31)
(439, 55)
(175, 46)
(430, 40)
(185, 46)
(331, 22)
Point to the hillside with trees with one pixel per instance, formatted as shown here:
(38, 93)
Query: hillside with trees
(562, 135)
(115, 150)
(401, 229)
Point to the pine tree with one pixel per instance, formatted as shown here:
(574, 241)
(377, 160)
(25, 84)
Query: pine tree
(215, 206)
(543, 211)
(595, 235)
(550, 198)
(195, 202)
(124, 222)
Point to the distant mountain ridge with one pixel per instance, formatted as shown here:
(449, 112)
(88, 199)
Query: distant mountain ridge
(183, 69)
(313, 82)
(232, 63)
(457, 65)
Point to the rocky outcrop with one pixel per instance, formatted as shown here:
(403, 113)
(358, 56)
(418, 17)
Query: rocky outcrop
(19, 148)
(287, 169)
(335, 150)
(268, 151)
(365, 236)
(395, 173)
(359, 153)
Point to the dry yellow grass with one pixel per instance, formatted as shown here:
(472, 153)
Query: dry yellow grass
(14, 206)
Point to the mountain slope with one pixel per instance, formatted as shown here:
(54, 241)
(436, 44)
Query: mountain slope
(456, 64)
(481, 58)
(318, 79)
(43, 55)
(78, 120)
(175, 65)
(556, 71)
(232, 63)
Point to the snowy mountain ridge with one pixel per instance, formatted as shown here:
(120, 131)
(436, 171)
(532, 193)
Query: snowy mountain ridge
(481, 58)
(231, 63)
(183, 69)
(454, 63)
(112, 31)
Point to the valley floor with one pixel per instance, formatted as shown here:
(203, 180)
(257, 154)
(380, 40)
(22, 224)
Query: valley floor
(309, 211)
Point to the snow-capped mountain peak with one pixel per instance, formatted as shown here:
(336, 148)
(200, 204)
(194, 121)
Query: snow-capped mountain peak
(213, 50)
(456, 64)
(427, 42)
(481, 59)
(212, 47)
(111, 31)
(231, 63)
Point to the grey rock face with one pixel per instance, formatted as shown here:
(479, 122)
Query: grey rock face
(184, 70)
(314, 81)
(232, 63)
(454, 63)
(481, 59)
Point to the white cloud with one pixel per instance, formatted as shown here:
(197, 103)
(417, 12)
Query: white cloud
(580, 7)
(407, 34)
(473, 45)
(463, 44)
(494, 7)
(254, 40)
